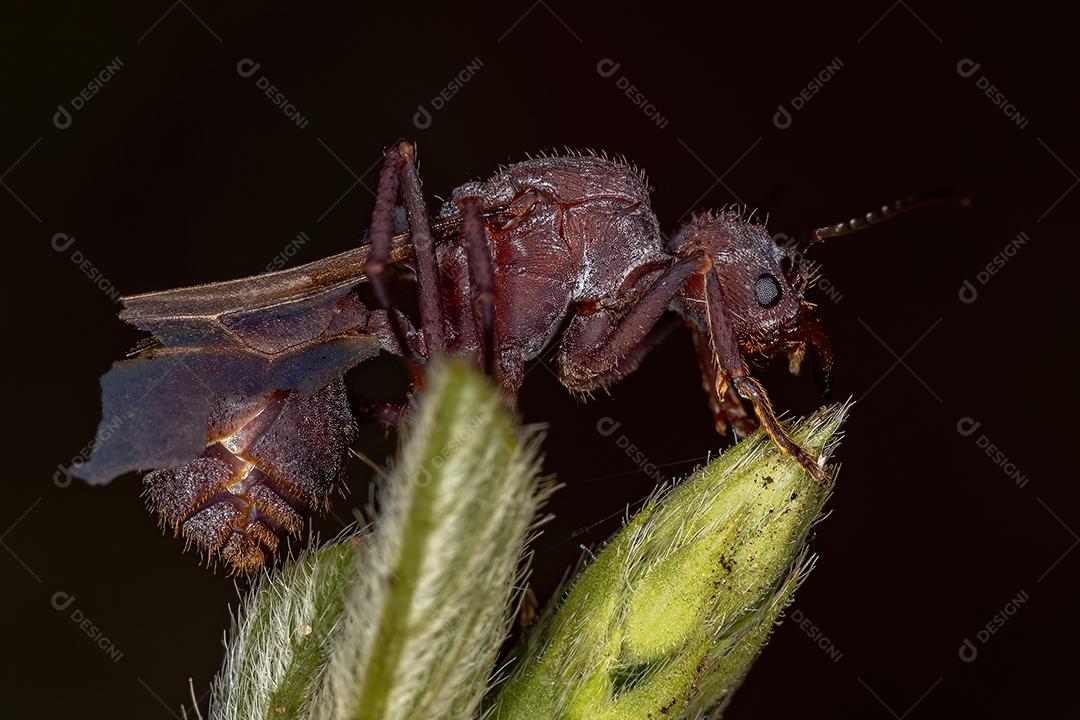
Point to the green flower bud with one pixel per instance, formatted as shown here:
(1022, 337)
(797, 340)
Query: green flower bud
(667, 620)
(278, 642)
(410, 624)
(430, 606)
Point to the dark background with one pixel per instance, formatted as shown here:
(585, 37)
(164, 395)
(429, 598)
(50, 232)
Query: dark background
(180, 171)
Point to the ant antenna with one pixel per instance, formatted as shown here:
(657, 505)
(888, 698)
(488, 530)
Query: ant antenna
(888, 212)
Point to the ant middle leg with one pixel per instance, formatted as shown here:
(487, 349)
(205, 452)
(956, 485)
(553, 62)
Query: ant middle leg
(481, 280)
(399, 174)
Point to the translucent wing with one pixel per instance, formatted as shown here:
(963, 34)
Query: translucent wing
(293, 329)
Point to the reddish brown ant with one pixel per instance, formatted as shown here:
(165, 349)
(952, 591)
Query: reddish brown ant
(562, 249)
(569, 243)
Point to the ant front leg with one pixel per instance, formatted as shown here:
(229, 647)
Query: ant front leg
(601, 345)
(732, 368)
(729, 412)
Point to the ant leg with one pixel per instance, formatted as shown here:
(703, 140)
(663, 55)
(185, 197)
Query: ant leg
(427, 268)
(728, 409)
(732, 367)
(481, 279)
(751, 389)
(601, 346)
(386, 415)
(381, 326)
(735, 415)
(631, 361)
(809, 333)
(382, 233)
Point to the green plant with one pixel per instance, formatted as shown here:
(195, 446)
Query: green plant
(408, 622)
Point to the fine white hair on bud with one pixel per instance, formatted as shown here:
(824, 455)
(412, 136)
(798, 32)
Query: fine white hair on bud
(278, 642)
(407, 621)
(668, 618)
(430, 607)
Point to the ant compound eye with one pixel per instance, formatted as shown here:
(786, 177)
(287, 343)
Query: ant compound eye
(767, 290)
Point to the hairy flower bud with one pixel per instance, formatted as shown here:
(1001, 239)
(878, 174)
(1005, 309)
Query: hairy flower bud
(667, 620)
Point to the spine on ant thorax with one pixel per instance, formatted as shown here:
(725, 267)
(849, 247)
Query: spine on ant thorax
(269, 461)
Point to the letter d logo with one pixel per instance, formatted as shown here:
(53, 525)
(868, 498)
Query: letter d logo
(61, 118)
(62, 600)
(781, 118)
(247, 67)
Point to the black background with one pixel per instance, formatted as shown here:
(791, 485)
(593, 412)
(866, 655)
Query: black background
(180, 171)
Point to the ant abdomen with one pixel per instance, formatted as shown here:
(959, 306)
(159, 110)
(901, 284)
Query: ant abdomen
(269, 462)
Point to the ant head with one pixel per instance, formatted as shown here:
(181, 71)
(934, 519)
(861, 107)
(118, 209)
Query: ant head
(762, 282)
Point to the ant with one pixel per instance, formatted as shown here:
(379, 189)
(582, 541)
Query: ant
(566, 248)
(239, 396)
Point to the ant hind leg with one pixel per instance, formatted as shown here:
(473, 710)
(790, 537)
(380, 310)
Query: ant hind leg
(427, 268)
(382, 233)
